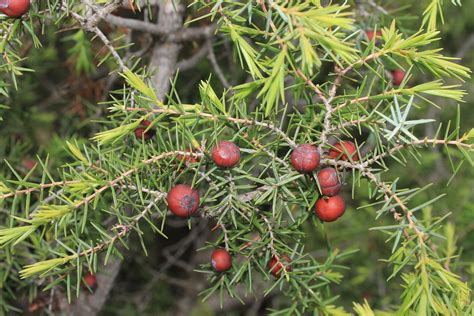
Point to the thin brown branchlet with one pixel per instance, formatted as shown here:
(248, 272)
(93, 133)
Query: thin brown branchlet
(279, 132)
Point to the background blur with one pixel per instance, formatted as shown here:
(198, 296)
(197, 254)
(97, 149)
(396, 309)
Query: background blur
(61, 100)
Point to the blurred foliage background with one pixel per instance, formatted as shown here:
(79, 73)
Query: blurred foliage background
(62, 99)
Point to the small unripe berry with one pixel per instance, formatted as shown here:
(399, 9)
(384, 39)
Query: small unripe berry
(370, 34)
(90, 280)
(188, 158)
(14, 8)
(305, 158)
(221, 260)
(342, 149)
(226, 154)
(328, 181)
(397, 76)
(329, 209)
(276, 266)
(141, 131)
(183, 200)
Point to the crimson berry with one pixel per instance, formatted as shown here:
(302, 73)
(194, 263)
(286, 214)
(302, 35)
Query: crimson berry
(188, 158)
(90, 280)
(331, 208)
(276, 265)
(328, 181)
(37, 304)
(370, 34)
(305, 158)
(183, 200)
(342, 149)
(29, 164)
(226, 154)
(34, 307)
(14, 8)
(142, 132)
(221, 260)
(397, 76)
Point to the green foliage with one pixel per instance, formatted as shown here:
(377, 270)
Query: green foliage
(80, 53)
(308, 77)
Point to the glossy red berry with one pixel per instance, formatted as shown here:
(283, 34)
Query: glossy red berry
(14, 8)
(276, 266)
(226, 154)
(329, 209)
(221, 260)
(342, 149)
(328, 181)
(183, 200)
(142, 132)
(397, 76)
(305, 158)
(370, 34)
(186, 158)
(90, 280)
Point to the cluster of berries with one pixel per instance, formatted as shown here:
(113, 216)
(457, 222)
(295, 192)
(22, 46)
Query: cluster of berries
(183, 200)
(14, 8)
(397, 74)
(306, 158)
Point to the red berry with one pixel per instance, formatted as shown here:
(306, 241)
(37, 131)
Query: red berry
(226, 154)
(305, 158)
(342, 149)
(397, 76)
(328, 181)
(186, 158)
(37, 304)
(29, 164)
(276, 266)
(142, 131)
(14, 8)
(370, 34)
(221, 260)
(34, 307)
(183, 200)
(329, 209)
(90, 280)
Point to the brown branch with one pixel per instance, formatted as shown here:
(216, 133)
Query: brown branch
(165, 53)
(89, 24)
(362, 119)
(425, 141)
(38, 188)
(270, 126)
(180, 35)
(217, 69)
(323, 138)
(131, 171)
(124, 229)
(189, 63)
